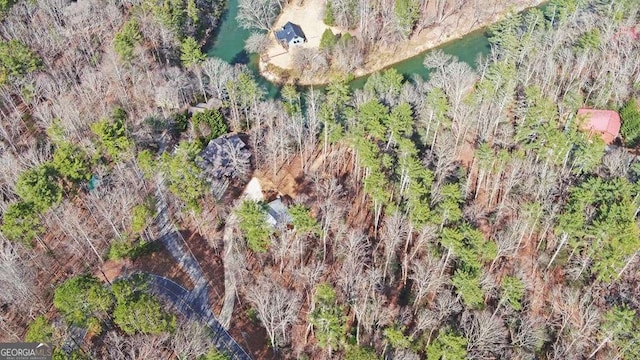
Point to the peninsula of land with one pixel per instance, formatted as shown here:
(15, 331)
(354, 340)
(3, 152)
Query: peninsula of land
(311, 64)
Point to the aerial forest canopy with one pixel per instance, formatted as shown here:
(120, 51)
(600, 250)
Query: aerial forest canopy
(468, 215)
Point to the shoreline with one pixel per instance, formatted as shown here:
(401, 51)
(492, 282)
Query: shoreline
(380, 59)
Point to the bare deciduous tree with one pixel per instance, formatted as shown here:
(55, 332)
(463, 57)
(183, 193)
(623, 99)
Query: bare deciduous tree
(258, 14)
(617, 162)
(309, 60)
(394, 231)
(277, 308)
(135, 347)
(426, 277)
(529, 335)
(219, 73)
(577, 319)
(486, 334)
(352, 250)
(17, 278)
(348, 57)
(405, 354)
(191, 340)
(177, 92)
(238, 160)
(256, 43)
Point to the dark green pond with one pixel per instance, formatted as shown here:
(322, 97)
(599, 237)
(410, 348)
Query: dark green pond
(229, 42)
(228, 45)
(465, 49)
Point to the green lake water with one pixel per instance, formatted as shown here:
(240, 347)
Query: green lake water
(228, 45)
(229, 39)
(229, 42)
(466, 49)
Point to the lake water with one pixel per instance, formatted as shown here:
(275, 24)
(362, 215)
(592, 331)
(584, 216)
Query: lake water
(229, 40)
(229, 46)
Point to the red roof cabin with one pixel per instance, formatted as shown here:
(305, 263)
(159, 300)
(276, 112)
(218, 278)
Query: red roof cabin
(632, 32)
(605, 123)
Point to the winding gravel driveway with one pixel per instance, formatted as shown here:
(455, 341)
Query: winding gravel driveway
(192, 304)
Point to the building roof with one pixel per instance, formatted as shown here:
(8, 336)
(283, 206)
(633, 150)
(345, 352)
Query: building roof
(213, 103)
(289, 32)
(216, 157)
(632, 32)
(604, 122)
(277, 213)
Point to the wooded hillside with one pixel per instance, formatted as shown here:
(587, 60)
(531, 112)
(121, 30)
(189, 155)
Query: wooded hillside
(466, 215)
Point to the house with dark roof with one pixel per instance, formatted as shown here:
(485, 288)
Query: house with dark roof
(604, 123)
(221, 156)
(290, 35)
(225, 158)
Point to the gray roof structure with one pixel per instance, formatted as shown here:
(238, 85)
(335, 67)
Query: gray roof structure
(290, 32)
(277, 213)
(216, 159)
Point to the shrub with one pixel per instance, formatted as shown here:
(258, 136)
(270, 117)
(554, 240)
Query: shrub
(180, 123)
(328, 40)
(190, 52)
(123, 249)
(126, 39)
(112, 135)
(329, 17)
(5, 5)
(254, 226)
(40, 330)
(119, 249)
(16, 59)
(183, 175)
(39, 186)
(448, 345)
(589, 40)
(360, 353)
(140, 216)
(407, 13)
(396, 338)
(71, 162)
(302, 220)
(630, 129)
(209, 124)
(21, 223)
(147, 163)
(82, 298)
(214, 354)
(138, 311)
